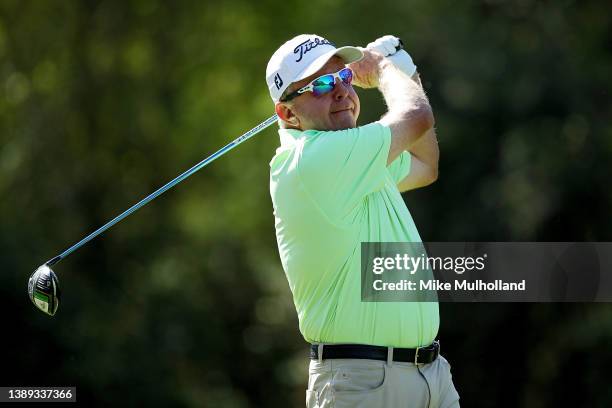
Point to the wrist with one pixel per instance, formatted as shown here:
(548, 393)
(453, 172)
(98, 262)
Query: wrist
(383, 64)
(385, 69)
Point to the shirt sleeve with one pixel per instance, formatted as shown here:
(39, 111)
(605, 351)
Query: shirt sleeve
(340, 168)
(400, 167)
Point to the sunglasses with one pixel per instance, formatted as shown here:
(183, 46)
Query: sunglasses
(323, 84)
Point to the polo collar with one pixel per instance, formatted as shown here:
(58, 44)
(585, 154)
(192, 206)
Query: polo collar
(289, 137)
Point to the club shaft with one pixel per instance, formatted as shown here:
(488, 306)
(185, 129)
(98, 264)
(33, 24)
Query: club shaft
(263, 125)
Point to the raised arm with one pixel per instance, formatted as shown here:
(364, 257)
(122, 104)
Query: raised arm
(425, 157)
(409, 115)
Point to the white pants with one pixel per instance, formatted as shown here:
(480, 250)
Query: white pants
(355, 383)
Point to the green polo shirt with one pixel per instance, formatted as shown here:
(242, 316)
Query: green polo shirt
(332, 190)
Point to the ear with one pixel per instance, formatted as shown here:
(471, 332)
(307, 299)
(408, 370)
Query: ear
(286, 113)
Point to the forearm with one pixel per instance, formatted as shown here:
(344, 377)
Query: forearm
(403, 95)
(426, 148)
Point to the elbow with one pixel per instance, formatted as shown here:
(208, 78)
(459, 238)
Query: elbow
(433, 176)
(429, 178)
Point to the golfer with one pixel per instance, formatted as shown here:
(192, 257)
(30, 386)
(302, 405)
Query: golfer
(335, 185)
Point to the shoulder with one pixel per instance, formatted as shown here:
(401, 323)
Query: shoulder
(338, 141)
(344, 153)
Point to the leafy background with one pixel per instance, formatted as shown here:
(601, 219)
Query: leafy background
(185, 303)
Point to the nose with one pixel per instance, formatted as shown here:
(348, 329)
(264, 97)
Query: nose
(340, 90)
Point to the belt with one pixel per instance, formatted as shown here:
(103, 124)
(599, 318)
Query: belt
(420, 355)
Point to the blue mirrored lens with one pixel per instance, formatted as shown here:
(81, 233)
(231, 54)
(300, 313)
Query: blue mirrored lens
(347, 75)
(323, 85)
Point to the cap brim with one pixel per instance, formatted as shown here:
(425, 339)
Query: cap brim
(348, 55)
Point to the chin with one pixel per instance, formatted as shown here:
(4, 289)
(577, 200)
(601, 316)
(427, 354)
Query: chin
(349, 121)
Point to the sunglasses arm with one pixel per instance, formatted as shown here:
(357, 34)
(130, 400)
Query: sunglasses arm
(307, 88)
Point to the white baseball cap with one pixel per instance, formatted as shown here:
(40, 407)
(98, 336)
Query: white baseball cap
(301, 57)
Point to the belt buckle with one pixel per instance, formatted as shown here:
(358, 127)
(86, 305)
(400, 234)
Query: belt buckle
(435, 346)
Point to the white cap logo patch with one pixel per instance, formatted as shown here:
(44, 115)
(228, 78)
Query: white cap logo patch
(278, 81)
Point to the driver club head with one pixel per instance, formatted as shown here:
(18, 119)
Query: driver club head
(43, 290)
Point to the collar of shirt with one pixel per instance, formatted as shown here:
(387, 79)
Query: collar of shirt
(288, 137)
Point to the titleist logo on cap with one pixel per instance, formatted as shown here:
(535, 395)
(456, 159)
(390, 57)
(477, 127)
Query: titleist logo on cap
(308, 45)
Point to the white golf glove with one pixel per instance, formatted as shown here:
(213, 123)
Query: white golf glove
(387, 46)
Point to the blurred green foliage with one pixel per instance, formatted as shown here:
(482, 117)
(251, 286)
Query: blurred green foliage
(185, 303)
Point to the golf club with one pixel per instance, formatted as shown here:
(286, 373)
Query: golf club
(43, 285)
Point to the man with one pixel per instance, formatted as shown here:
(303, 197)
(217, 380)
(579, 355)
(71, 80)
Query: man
(335, 185)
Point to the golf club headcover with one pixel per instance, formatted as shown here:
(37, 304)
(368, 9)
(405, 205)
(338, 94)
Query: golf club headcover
(392, 48)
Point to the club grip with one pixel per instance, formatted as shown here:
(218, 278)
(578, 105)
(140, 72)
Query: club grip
(400, 46)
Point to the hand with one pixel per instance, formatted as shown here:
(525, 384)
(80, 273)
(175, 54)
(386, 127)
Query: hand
(387, 46)
(403, 61)
(367, 70)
